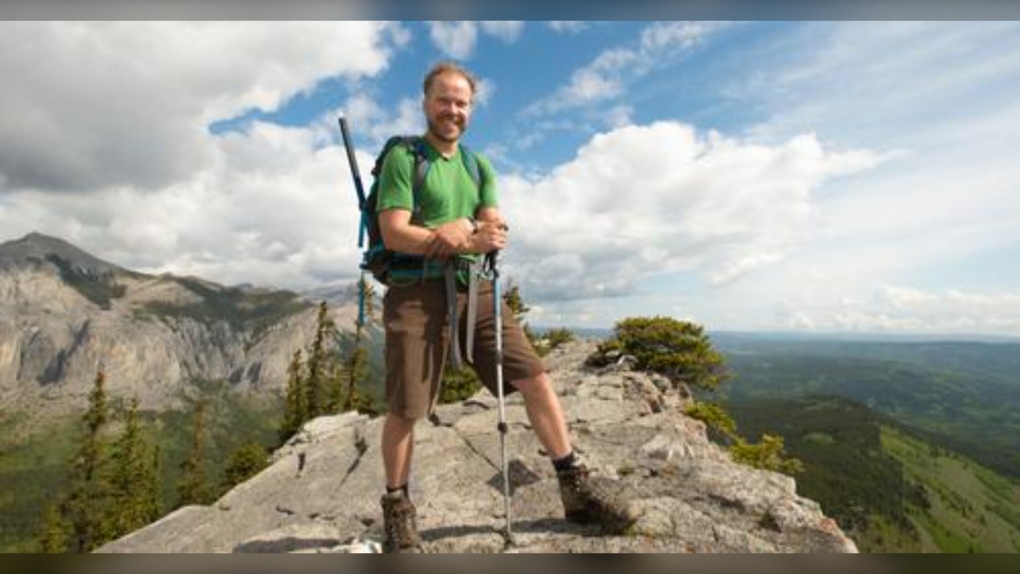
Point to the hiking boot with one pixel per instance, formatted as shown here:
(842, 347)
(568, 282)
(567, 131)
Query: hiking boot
(593, 500)
(399, 524)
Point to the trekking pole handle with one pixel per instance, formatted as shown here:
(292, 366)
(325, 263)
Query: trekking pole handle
(491, 261)
(353, 161)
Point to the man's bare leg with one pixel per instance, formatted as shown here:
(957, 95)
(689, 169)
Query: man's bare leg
(583, 499)
(397, 449)
(545, 414)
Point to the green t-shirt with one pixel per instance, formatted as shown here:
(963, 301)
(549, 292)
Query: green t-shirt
(448, 193)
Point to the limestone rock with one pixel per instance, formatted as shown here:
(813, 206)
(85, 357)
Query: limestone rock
(321, 492)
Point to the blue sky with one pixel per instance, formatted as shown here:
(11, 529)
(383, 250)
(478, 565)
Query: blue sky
(816, 176)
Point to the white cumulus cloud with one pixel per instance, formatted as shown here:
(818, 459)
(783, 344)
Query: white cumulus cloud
(274, 207)
(458, 39)
(909, 309)
(612, 71)
(642, 200)
(103, 104)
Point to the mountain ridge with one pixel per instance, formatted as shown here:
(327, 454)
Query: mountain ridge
(66, 314)
(38, 247)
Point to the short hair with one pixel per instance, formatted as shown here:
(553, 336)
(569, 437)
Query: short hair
(448, 66)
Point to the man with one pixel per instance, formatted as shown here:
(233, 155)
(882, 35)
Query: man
(458, 218)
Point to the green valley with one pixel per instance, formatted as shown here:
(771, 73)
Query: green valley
(962, 395)
(891, 489)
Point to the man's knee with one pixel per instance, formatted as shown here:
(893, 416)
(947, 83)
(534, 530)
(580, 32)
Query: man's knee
(399, 423)
(537, 385)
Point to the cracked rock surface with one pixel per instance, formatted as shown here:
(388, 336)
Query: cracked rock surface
(321, 491)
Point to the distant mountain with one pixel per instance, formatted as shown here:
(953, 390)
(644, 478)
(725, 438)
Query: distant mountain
(991, 358)
(36, 249)
(336, 295)
(65, 313)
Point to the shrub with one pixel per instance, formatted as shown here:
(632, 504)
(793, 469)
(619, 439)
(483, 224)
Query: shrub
(244, 463)
(678, 349)
(458, 385)
(768, 454)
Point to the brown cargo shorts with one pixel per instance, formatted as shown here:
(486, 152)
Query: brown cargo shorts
(417, 328)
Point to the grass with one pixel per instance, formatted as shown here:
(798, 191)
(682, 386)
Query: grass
(971, 508)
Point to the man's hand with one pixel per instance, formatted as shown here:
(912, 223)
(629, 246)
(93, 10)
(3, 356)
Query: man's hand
(491, 236)
(448, 239)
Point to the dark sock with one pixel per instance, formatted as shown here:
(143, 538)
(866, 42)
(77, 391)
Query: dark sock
(401, 488)
(564, 463)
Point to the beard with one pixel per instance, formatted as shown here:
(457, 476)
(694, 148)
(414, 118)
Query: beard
(442, 133)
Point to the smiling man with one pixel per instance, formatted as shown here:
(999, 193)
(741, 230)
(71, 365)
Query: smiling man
(452, 218)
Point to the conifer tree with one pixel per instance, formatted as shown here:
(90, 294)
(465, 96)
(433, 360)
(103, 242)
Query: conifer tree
(295, 406)
(134, 478)
(153, 492)
(336, 382)
(192, 487)
(515, 301)
(54, 534)
(319, 371)
(89, 491)
(245, 462)
(357, 362)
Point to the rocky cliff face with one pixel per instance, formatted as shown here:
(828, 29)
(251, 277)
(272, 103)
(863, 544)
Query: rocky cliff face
(64, 313)
(321, 492)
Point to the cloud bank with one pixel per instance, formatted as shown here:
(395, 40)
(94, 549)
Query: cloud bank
(103, 104)
(641, 200)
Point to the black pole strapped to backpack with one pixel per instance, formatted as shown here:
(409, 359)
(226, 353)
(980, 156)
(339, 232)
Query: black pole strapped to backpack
(358, 186)
(363, 226)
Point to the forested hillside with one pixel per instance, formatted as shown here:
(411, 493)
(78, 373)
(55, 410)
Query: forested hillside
(891, 489)
(964, 396)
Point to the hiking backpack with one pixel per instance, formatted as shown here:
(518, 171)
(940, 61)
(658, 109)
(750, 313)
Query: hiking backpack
(385, 264)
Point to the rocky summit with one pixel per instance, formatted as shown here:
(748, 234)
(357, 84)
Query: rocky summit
(321, 491)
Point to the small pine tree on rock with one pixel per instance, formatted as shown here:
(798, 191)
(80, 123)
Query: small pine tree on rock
(681, 350)
(245, 462)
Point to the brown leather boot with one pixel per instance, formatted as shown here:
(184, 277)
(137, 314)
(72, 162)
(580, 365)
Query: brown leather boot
(594, 500)
(399, 524)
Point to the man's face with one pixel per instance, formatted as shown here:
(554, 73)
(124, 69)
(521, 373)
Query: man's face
(447, 106)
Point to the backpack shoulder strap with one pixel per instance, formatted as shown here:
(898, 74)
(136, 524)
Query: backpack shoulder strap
(471, 164)
(416, 144)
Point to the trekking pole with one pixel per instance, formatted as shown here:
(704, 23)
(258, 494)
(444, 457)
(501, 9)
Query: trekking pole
(357, 180)
(502, 427)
